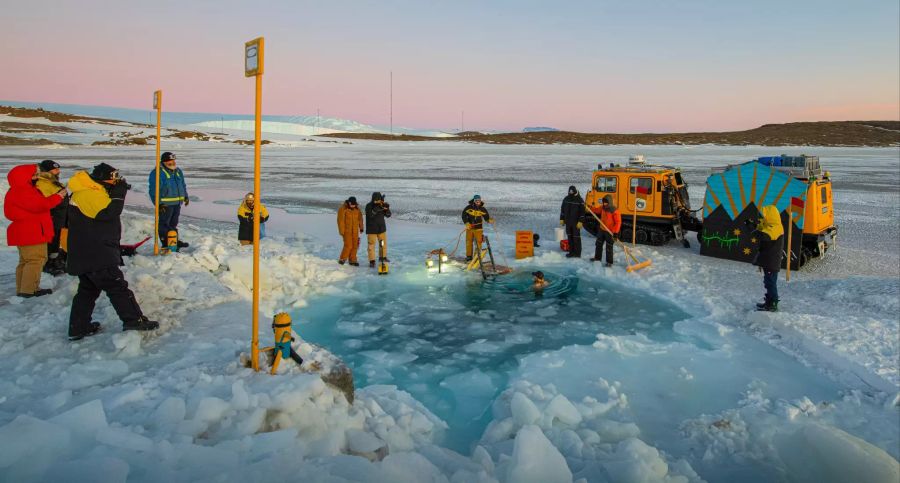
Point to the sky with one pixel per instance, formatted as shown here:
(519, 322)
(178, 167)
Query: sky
(590, 66)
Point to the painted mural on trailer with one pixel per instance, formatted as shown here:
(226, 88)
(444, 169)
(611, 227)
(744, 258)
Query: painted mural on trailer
(731, 209)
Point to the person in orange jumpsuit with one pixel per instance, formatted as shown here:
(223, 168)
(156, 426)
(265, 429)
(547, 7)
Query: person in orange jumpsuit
(350, 225)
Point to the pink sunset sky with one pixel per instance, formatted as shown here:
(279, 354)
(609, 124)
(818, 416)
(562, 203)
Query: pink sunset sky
(584, 66)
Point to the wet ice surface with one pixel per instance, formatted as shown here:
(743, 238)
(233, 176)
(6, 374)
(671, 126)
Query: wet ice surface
(454, 341)
(451, 339)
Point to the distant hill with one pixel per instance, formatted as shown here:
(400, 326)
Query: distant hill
(825, 133)
(540, 129)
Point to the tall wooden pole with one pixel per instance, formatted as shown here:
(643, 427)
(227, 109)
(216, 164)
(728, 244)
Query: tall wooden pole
(790, 232)
(254, 55)
(157, 103)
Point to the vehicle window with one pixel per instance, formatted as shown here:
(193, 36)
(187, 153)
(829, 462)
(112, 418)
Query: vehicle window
(606, 184)
(642, 182)
(824, 195)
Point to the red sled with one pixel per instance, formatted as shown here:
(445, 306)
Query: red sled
(130, 250)
(564, 245)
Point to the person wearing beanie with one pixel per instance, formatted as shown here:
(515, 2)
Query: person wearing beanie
(95, 232)
(474, 216)
(172, 194)
(31, 227)
(245, 219)
(612, 220)
(48, 184)
(350, 225)
(376, 228)
(570, 215)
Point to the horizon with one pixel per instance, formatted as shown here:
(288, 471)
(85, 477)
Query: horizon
(249, 116)
(697, 67)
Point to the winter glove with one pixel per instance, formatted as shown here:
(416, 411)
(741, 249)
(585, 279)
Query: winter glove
(118, 190)
(579, 225)
(187, 201)
(562, 223)
(128, 251)
(162, 209)
(468, 226)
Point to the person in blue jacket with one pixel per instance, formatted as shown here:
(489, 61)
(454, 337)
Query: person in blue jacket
(172, 193)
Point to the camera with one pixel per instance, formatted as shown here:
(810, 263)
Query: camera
(122, 180)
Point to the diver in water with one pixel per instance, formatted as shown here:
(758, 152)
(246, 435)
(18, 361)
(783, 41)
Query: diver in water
(539, 282)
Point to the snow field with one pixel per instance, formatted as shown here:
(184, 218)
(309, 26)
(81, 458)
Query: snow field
(713, 401)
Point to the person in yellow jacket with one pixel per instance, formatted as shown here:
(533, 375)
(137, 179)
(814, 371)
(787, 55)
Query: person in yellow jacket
(474, 217)
(350, 225)
(245, 219)
(48, 184)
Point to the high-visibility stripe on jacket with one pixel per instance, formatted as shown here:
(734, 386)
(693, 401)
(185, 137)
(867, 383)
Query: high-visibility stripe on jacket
(172, 188)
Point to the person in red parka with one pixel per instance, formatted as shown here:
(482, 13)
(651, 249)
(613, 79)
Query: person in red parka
(31, 228)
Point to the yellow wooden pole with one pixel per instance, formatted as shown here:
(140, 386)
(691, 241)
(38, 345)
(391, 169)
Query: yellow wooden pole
(634, 221)
(790, 232)
(158, 105)
(257, 72)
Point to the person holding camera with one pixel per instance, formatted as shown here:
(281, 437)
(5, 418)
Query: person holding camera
(31, 228)
(376, 228)
(350, 226)
(172, 193)
(570, 215)
(95, 230)
(770, 235)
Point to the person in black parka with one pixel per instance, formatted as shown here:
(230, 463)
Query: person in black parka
(570, 215)
(95, 231)
(376, 227)
(770, 234)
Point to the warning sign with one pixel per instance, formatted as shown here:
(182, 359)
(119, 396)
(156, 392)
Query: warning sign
(524, 244)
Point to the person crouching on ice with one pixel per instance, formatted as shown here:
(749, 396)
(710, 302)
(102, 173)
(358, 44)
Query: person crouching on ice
(376, 228)
(95, 231)
(245, 219)
(474, 217)
(350, 226)
(770, 234)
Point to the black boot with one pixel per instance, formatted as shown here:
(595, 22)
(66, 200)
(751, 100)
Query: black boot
(94, 329)
(385, 260)
(141, 324)
(182, 244)
(371, 263)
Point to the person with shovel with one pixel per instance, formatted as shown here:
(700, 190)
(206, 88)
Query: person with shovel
(612, 219)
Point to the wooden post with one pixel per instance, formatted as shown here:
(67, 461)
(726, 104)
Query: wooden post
(634, 221)
(253, 67)
(157, 104)
(790, 232)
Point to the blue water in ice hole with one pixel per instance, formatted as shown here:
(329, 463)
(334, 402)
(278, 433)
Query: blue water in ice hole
(452, 339)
